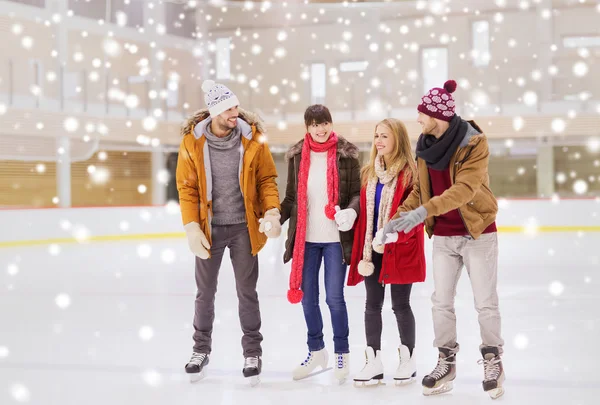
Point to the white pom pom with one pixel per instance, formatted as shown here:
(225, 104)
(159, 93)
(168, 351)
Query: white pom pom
(365, 269)
(207, 85)
(379, 248)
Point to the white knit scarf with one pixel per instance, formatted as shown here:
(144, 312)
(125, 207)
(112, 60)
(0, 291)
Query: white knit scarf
(389, 179)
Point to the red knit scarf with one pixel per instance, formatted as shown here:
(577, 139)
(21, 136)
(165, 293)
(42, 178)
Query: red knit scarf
(330, 146)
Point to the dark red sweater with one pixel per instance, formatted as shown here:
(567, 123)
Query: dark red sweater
(450, 223)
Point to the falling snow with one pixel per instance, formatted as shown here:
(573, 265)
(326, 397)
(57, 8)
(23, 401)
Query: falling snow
(375, 64)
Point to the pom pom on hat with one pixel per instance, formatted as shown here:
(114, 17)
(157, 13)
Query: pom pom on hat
(450, 86)
(439, 103)
(218, 97)
(207, 85)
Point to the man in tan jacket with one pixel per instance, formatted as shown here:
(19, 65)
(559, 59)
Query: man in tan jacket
(453, 197)
(229, 198)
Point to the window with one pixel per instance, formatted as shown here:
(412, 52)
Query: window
(223, 54)
(581, 41)
(434, 67)
(95, 9)
(317, 83)
(481, 43)
(127, 13)
(354, 66)
(180, 20)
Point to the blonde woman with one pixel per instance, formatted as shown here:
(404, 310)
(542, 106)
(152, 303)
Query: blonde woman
(387, 181)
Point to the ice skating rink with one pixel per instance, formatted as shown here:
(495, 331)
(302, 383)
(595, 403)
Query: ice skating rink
(109, 322)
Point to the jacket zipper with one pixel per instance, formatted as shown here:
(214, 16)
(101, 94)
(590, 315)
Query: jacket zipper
(459, 211)
(340, 233)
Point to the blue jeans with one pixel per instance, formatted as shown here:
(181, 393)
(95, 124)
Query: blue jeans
(335, 274)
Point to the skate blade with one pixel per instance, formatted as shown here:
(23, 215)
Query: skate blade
(254, 380)
(399, 382)
(368, 384)
(314, 373)
(438, 390)
(496, 393)
(195, 377)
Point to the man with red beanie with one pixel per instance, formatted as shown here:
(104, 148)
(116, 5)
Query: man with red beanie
(453, 197)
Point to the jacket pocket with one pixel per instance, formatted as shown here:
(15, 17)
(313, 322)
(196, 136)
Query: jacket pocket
(257, 208)
(484, 202)
(407, 253)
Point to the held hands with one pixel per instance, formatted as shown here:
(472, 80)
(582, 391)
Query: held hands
(344, 218)
(378, 240)
(406, 222)
(269, 224)
(197, 240)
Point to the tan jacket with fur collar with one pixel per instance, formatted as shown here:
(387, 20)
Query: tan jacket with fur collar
(257, 175)
(470, 192)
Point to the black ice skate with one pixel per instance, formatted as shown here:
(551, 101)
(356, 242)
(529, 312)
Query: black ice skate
(441, 379)
(252, 369)
(195, 367)
(493, 372)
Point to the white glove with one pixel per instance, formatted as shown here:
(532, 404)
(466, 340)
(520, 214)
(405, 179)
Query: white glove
(197, 240)
(390, 237)
(269, 224)
(378, 240)
(344, 218)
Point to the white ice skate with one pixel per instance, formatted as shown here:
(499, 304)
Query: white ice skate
(313, 360)
(407, 369)
(252, 369)
(195, 368)
(342, 367)
(372, 372)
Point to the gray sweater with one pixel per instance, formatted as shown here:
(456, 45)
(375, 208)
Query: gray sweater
(225, 157)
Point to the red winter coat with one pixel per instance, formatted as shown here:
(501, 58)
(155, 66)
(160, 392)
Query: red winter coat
(404, 260)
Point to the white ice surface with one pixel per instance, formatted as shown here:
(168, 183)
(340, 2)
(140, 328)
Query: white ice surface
(98, 324)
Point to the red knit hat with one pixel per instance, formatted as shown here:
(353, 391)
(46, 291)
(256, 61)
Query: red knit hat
(439, 103)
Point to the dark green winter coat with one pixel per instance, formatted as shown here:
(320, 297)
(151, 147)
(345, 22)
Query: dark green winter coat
(349, 192)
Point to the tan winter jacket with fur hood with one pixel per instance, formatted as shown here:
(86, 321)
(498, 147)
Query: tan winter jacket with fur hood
(257, 176)
(470, 192)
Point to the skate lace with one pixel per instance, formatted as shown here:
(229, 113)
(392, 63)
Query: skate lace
(441, 368)
(491, 368)
(341, 361)
(307, 360)
(198, 358)
(251, 362)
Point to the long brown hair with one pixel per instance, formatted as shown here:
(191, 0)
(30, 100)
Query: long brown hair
(402, 153)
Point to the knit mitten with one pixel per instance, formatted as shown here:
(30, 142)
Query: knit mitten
(269, 224)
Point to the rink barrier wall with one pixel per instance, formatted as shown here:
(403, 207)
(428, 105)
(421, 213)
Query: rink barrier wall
(31, 227)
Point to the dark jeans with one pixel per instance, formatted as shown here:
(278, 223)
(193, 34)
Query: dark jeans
(245, 268)
(400, 306)
(335, 274)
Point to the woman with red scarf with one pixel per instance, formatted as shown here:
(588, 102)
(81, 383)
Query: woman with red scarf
(322, 203)
(387, 181)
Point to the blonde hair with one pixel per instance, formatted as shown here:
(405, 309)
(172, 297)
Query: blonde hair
(401, 155)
